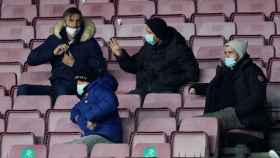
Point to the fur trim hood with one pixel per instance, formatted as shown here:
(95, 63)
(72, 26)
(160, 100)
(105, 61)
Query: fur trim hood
(88, 33)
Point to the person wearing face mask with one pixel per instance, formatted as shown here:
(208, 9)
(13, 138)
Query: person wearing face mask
(236, 96)
(70, 49)
(96, 113)
(163, 64)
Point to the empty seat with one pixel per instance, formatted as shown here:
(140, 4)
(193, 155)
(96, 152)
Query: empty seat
(68, 150)
(207, 47)
(170, 19)
(44, 25)
(12, 67)
(8, 140)
(275, 41)
(53, 10)
(265, 7)
(16, 2)
(189, 144)
(274, 70)
(96, 19)
(275, 17)
(259, 28)
(8, 80)
(251, 39)
(12, 55)
(24, 124)
(225, 29)
(192, 101)
(39, 68)
(185, 7)
(151, 113)
(148, 137)
(183, 113)
(261, 52)
(110, 150)
(162, 150)
(5, 104)
(127, 82)
(35, 78)
(2, 125)
(166, 125)
(104, 9)
(216, 6)
(144, 7)
(24, 102)
(25, 114)
(128, 19)
(25, 33)
(129, 101)
(163, 100)
(208, 17)
(208, 125)
(39, 150)
(66, 102)
(60, 138)
(208, 63)
(248, 17)
(130, 30)
(43, 2)
(2, 91)
(27, 11)
(131, 45)
(105, 31)
(59, 121)
(12, 44)
(185, 29)
(13, 22)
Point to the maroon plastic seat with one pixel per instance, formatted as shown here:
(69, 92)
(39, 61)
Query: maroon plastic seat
(110, 150)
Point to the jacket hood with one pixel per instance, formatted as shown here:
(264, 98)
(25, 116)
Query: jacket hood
(107, 81)
(88, 31)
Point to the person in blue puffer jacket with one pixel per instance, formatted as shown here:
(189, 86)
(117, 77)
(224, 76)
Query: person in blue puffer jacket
(96, 114)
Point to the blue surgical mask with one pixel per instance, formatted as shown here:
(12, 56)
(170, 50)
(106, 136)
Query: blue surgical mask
(151, 39)
(230, 62)
(81, 88)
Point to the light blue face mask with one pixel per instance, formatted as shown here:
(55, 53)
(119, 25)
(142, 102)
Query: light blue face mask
(80, 88)
(151, 39)
(230, 62)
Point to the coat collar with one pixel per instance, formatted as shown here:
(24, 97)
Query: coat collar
(88, 33)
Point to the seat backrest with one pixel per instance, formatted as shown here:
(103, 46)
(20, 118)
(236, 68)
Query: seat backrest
(44, 26)
(8, 140)
(274, 70)
(11, 55)
(205, 18)
(275, 41)
(144, 7)
(35, 78)
(141, 137)
(68, 150)
(206, 124)
(225, 29)
(130, 30)
(110, 150)
(189, 144)
(59, 121)
(66, 102)
(206, 75)
(2, 125)
(39, 150)
(185, 29)
(12, 44)
(31, 102)
(16, 2)
(183, 113)
(43, 2)
(5, 104)
(170, 18)
(39, 68)
(265, 7)
(128, 125)
(105, 31)
(11, 67)
(53, 10)
(27, 11)
(216, 6)
(191, 100)
(185, 7)
(258, 28)
(162, 150)
(252, 40)
(127, 82)
(166, 125)
(104, 9)
(60, 138)
(129, 101)
(163, 100)
(248, 17)
(151, 113)
(261, 52)
(8, 80)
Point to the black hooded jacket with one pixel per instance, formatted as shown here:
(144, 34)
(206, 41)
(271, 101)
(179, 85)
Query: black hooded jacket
(163, 67)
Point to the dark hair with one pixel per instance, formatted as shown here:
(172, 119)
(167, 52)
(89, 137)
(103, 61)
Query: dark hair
(72, 11)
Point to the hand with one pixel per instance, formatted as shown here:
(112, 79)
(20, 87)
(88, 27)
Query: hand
(91, 125)
(115, 47)
(68, 59)
(60, 49)
(192, 91)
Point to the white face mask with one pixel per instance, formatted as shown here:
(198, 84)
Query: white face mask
(81, 88)
(72, 31)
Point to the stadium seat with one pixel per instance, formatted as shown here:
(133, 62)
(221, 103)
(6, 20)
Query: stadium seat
(216, 6)
(192, 101)
(183, 113)
(130, 30)
(163, 150)
(8, 80)
(206, 75)
(12, 44)
(12, 67)
(34, 43)
(29, 102)
(44, 26)
(151, 113)
(2, 91)
(53, 10)
(185, 29)
(185, 7)
(27, 11)
(39, 149)
(248, 17)
(144, 7)
(258, 28)
(105, 31)
(253, 40)
(35, 78)
(39, 68)
(110, 150)
(127, 82)
(13, 55)
(261, 52)
(5, 104)
(225, 29)
(128, 127)
(68, 150)
(208, 17)
(275, 41)
(170, 19)
(43, 2)
(53, 138)
(274, 70)
(13, 22)
(275, 17)
(16, 2)
(129, 101)
(265, 7)
(103, 9)
(147, 137)
(2, 125)
(66, 102)
(166, 125)
(128, 19)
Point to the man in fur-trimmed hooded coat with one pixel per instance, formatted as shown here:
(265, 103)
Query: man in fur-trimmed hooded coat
(71, 49)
